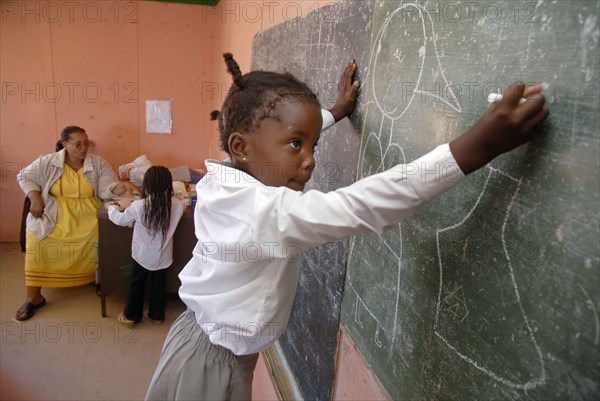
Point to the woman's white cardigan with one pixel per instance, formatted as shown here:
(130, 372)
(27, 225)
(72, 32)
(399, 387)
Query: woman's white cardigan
(46, 170)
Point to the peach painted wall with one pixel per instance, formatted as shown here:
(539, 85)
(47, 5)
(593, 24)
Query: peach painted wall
(94, 63)
(262, 385)
(354, 379)
(239, 22)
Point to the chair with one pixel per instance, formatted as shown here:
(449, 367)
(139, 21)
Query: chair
(26, 206)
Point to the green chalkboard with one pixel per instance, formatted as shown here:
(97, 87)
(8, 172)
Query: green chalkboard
(492, 291)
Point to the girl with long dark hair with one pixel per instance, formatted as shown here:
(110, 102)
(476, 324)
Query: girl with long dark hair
(155, 218)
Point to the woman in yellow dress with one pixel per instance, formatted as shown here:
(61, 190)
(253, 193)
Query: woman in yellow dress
(65, 189)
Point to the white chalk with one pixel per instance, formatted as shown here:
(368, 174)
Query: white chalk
(496, 97)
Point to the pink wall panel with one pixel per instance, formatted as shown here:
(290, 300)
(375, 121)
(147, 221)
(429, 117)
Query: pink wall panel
(27, 112)
(93, 64)
(262, 386)
(354, 380)
(175, 62)
(94, 60)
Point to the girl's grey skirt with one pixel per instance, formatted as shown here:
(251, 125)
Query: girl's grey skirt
(192, 368)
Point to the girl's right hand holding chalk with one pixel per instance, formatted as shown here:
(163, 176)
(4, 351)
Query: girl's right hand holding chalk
(504, 126)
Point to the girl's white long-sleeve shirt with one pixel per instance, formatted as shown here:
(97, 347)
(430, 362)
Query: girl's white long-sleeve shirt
(242, 278)
(146, 249)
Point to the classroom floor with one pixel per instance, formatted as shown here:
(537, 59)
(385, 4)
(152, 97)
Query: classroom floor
(67, 351)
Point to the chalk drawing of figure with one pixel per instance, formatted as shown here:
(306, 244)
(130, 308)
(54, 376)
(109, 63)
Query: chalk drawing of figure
(484, 322)
(380, 295)
(395, 93)
(393, 56)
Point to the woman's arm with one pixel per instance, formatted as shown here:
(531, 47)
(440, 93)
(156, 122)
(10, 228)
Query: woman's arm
(125, 188)
(37, 203)
(31, 180)
(108, 185)
(33, 177)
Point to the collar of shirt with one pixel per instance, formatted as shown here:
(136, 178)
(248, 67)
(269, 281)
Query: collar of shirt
(58, 161)
(228, 175)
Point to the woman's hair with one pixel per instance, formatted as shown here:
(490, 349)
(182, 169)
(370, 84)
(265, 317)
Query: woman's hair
(253, 97)
(65, 135)
(157, 189)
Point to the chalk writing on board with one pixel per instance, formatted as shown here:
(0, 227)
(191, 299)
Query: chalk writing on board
(463, 354)
(395, 51)
(592, 307)
(393, 98)
(380, 59)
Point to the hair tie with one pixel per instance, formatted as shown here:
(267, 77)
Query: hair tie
(214, 115)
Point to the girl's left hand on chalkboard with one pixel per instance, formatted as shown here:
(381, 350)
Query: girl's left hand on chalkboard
(347, 93)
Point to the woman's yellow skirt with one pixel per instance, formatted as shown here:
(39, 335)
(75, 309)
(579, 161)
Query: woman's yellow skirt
(67, 257)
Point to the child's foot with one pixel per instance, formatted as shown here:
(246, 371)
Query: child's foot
(152, 320)
(129, 324)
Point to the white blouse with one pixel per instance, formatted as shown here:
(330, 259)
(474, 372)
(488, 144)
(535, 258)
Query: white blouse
(242, 278)
(149, 251)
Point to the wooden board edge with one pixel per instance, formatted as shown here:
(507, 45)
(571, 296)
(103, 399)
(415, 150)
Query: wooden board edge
(281, 376)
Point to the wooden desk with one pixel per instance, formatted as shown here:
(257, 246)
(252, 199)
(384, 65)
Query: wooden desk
(114, 255)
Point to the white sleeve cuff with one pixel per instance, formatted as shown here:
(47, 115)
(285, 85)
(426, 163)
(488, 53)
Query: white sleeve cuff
(328, 119)
(434, 173)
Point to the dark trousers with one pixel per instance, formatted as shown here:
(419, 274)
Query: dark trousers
(135, 301)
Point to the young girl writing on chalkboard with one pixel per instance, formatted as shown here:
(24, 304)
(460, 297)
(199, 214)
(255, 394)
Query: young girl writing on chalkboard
(155, 217)
(253, 221)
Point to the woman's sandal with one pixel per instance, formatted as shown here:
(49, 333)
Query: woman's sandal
(28, 309)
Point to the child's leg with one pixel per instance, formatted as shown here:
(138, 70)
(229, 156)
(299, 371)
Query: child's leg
(156, 309)
(135, 301)
(192, 368)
